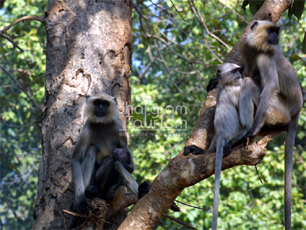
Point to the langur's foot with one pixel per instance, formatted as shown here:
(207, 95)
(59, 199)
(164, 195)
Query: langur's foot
(143, 189)
(227, 149)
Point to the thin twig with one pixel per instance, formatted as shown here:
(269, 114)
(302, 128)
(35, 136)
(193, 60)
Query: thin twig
(235, 12)
(74, 214)
(179, 221)
(141, 17)
(19, 86)
(190, 205)
(12, 41)
(19, 126)
(100, 218)
(177, 11)
(31, 17)
(159, 54)
(162, 225)
(64, 220)
(153, 59)
(166, 67)
(201, 20)
(258, 174)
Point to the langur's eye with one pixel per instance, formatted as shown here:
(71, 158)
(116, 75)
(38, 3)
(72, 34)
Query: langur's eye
(254, 25)
(99, 103)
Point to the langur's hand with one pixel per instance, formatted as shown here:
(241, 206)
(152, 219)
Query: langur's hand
(193, 149)
(246, 138)
(122, 155)
(92, 191)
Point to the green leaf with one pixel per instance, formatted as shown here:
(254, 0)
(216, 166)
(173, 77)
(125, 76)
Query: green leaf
(245, 3)
(298, 8)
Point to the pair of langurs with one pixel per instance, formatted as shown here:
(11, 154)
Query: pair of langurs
(101, 161)
(270, 95)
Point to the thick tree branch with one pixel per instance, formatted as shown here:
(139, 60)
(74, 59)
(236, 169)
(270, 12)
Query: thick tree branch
(185, 171)
(31, 17)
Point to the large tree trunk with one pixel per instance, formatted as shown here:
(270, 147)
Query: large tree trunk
(88, 50)
(185, 171)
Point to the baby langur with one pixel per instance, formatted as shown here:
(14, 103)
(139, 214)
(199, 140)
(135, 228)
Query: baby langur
(101, 162)
(273, 88)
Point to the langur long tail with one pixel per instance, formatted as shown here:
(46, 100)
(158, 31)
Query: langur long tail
(218, 168)
(290, 137)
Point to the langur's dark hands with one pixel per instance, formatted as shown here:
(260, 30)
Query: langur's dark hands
(122, 155)
(92, 191)
(193, 149)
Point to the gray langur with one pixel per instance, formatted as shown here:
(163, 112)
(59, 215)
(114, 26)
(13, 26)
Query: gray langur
(226, 123)
(101, 161)
(271, 91)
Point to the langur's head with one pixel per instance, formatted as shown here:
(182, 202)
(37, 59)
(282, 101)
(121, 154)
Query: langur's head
(229, 74)
(263, 36)
(101, 108)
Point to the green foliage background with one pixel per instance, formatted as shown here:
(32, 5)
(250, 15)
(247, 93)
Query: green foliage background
(174, 57)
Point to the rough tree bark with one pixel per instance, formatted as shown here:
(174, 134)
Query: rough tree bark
(88, 50)
(185, 171)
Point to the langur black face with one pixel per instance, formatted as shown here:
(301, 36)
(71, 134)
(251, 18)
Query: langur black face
(101, 107)
(263, 36)
(236, 73)
(273, 33)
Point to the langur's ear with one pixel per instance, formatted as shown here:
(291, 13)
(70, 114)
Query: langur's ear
(213, 83)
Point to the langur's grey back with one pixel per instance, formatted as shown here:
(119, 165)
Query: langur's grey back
(226, 119)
